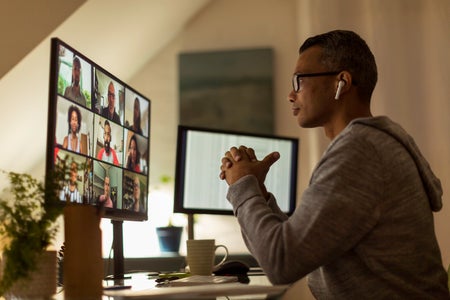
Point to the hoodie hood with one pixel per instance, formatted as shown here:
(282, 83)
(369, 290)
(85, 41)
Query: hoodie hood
(431, 183)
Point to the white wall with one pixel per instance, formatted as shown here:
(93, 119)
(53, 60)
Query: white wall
(222, 25)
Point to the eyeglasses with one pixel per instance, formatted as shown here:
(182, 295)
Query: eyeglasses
(296, 78)
(112, 95)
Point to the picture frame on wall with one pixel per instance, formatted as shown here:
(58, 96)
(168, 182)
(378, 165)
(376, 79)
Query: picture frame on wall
(230, 90)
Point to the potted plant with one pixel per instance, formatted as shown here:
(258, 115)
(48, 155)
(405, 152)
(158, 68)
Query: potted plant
(169, 237)
(28, 213)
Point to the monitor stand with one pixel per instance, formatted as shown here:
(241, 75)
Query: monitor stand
(119, 266)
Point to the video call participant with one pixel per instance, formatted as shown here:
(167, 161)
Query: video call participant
(73, 91)
(136, 126)
(137, 194)
(364, 226)
(96, 106)
(107, 153)
(134, 203)
(133, 156)
(72, 141)
(70, 191)
(110, 111)
(106, 198)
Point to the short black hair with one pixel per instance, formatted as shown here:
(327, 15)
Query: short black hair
(346, 50)
(76, 61)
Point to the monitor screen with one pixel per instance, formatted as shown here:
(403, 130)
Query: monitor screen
(102, 124)
(198, 189)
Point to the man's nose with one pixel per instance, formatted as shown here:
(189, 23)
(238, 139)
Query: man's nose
(291, 97)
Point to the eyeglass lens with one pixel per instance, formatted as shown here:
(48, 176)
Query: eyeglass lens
(296, 78)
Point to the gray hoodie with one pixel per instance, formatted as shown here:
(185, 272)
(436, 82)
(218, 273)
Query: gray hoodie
(364, 226)
(431, 183)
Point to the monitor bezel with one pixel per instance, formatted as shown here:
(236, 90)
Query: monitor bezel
(179, 205)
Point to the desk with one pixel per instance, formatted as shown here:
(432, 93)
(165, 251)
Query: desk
(144, 288)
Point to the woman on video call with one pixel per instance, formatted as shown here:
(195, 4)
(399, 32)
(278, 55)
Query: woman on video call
(136, 127)
(133, 155)
(72, 141)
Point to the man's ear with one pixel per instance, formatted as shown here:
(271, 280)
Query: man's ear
(345, 79)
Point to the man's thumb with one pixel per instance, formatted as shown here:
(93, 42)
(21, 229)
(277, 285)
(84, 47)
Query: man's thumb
(271, 158)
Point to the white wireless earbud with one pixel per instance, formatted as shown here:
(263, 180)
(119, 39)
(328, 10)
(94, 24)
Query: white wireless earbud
(341, 83)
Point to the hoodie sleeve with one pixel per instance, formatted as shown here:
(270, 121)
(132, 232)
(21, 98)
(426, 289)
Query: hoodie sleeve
(336, 211)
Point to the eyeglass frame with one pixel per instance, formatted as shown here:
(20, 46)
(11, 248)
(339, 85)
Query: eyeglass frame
(296, 78)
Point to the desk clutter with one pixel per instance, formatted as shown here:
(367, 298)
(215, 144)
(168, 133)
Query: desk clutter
(165, 286)
(233, 277)
(195, 280)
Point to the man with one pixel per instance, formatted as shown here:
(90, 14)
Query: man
(136, 194)
(105, 198)
(133, 202)
(74, 91)
(107, 153)
(110, 111)
(70, 191)
(364, 227)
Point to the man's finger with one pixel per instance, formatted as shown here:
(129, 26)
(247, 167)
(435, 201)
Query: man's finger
(235, 153)
(251, 154)
(271, 158)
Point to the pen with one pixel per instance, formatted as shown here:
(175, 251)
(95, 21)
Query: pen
(117, 287)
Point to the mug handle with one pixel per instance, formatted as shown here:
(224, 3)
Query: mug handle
(224, 258)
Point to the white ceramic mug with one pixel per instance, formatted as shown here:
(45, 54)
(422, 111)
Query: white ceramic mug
(201, 254)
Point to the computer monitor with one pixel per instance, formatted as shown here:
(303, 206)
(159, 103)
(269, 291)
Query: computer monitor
(198, 189)
(99, 122)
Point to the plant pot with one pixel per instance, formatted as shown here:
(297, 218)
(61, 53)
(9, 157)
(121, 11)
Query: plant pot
(41, 283)
(169, 238)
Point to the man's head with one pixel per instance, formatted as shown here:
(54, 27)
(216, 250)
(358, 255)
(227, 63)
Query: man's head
(111, 97)
(73, 172)
(76, 69)
(137, 112)
(345, 50)
(106, 186)
(333, 81)
(107, 136)
(136, 188)
(136, 192)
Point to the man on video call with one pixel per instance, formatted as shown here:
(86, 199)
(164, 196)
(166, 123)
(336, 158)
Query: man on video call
(364, 226)
(73, 91)
(110, 110)
(106, 197)
(70, 190)
(107, 153)
(134, 202)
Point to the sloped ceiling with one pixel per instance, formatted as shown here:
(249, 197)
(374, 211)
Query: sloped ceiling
(122, 36)
(24, 24)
